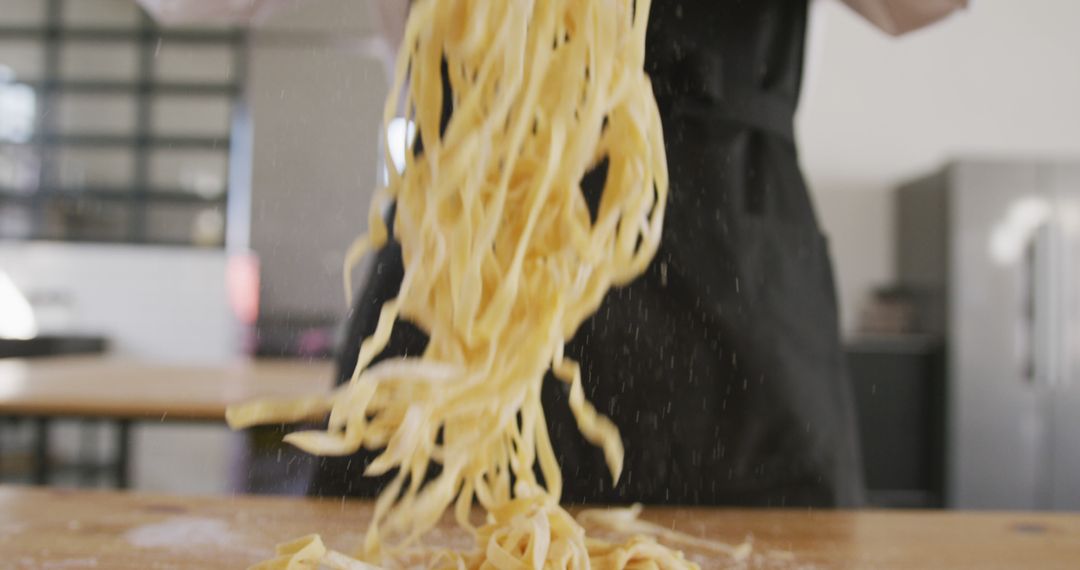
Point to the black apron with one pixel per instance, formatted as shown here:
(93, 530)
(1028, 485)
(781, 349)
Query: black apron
(721, 365)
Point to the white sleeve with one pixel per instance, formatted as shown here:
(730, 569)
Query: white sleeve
(897, 17)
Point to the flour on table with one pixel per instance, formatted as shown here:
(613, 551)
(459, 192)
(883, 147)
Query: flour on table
(70, 563)
(181, 533)
(10, 529)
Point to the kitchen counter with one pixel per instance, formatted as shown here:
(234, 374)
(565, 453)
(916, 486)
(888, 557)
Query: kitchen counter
(48, 528)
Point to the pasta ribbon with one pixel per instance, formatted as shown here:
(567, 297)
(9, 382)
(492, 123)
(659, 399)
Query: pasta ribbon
(504, 260)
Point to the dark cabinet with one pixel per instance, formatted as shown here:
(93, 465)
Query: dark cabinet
(898, 385)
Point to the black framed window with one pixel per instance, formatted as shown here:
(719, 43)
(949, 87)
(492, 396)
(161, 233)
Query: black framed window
(113, 128)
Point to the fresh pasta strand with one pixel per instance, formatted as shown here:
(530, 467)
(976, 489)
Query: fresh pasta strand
(503, 262)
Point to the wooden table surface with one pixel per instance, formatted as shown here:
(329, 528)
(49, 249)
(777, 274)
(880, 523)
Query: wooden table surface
(48, 528)
(113, 388)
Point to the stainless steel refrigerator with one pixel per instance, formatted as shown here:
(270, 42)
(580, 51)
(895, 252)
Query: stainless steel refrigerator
(993, 249)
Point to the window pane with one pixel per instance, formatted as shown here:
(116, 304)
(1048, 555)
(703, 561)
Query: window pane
(18, 111)
(19, 167)
(187, 62)
(85, 219)
(99, 168)
(187, 224)
(23, 13)
(100, 13)
(21, 60)
(99, 114)
(202, 172)
(15, 221)
(100, 61)
(199, 116)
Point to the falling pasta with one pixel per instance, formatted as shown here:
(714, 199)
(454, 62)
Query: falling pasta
(503, 262)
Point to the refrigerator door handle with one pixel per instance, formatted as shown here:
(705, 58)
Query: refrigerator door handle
(1036, 310)
(1067, 342)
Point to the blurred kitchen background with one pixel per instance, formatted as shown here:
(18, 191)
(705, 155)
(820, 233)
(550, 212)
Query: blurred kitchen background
(182, 195)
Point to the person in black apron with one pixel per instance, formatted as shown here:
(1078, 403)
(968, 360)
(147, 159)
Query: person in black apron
(721, 365)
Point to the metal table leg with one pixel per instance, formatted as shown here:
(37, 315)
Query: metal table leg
(123, 451)
(88, 452)
(41, 451)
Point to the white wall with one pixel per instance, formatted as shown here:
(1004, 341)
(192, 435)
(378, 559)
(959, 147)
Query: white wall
(1000, 79)
(316, 96)
(166, 304)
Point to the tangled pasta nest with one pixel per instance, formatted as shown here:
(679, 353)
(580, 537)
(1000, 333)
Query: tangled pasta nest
(503, 262)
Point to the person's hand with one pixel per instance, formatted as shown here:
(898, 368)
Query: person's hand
(390, 16)
(208, 11)
(898, 17)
